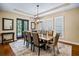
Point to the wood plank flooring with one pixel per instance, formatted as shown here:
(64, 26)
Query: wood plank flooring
(5, 50)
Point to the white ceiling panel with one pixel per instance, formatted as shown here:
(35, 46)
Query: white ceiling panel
(29, 8)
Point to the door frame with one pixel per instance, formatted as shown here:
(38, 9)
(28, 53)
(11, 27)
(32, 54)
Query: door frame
(22, 26)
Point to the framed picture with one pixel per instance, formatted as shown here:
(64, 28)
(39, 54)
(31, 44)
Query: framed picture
(7, 24)
(32, 25)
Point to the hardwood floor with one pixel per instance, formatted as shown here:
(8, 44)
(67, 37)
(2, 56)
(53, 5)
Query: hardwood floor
(5, 50)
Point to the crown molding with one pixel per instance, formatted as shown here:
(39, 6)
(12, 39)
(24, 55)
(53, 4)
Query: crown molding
(23, 12)
(54, 8)
(64, 7)
(17, 12)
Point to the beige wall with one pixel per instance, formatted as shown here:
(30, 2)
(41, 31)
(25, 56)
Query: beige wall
(71, 23)
(5, 14)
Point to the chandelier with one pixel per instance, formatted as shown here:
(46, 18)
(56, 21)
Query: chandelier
(36, 17)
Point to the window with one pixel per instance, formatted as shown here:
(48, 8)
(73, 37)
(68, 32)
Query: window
(49, 25)
(59, 25)
(46, 25)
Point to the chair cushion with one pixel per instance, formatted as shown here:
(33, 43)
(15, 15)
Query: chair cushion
(50, 42)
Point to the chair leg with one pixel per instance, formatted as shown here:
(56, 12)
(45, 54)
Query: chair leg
(54, 50)
(24, 42)
(57, 50)
(27, 44)
(33, 48)
(39, 51)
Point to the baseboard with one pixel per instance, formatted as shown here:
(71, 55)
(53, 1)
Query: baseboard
(0, 41)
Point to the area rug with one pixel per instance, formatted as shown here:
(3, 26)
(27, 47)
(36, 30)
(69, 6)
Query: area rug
(20, 49)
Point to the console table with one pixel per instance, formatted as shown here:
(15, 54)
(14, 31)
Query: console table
(7, 37)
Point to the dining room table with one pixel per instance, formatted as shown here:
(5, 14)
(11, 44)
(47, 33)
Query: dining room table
(43, 37)
(46, 38)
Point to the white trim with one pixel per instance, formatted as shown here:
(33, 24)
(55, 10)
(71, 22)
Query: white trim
(18, 12)
(69, 42)
(60, 8)
(0, 40)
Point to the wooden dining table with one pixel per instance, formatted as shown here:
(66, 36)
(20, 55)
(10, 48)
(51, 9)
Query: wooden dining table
(46, 38)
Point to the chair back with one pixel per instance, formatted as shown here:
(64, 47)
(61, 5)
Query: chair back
(55, 40)
(35, 38)
(50, 33)
(28, 36)
(39, 31)
(24, 35)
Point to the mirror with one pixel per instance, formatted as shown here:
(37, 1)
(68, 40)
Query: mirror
(7, 24)
(32, 25)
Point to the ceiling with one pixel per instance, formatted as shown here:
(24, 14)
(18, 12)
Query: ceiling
(29, 8)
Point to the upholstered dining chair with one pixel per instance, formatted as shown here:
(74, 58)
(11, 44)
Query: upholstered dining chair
(51, 33)
(54, 45)
(29, 39)
(25, 36)
(37, 42)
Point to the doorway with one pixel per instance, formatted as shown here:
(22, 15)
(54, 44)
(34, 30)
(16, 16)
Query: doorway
(21, 25)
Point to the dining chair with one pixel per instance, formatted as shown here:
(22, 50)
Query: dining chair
(51, 33)
(37, 42)
(24, 36)
(54, 45)
(29, 39)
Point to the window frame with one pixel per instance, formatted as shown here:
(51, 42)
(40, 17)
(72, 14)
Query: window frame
(63, 33)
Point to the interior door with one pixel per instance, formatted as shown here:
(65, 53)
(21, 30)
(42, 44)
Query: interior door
(21, 25)
(19, 29)
(25, 25)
